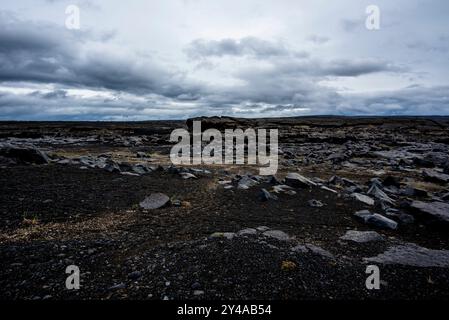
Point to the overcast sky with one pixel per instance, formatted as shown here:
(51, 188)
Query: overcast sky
(173, 59)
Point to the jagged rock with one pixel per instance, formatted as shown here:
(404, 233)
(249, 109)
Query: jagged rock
(376, 219)
(315, 203)
(139, 169)
(264, 195)
(141, 155)
(277, 234)
(112, 166)
(379, 194)
(414, 192)
(282, 188)
(299, 249)
(362, 198)
(336, 180)
(25, 154)
(362, 236)
(247, 232)
(413, 255)
(435, 210)
(434, 176)
(246, 182)
(155, 201)
(320, 251)
(186, 176)
(296, 180)
(328, 189)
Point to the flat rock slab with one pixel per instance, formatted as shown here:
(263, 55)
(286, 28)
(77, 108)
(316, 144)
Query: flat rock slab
(362, 236)
(296, 180)
(277, 234)
(154, 201)
(438, 210)
(362, 198)
(413, 255)
(376, 219)
(319, 251)
(434, 176)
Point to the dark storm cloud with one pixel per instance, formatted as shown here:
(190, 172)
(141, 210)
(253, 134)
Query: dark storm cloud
(269, 78)
(40, 53)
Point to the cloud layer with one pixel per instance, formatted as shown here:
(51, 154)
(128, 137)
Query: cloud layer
(104, 72)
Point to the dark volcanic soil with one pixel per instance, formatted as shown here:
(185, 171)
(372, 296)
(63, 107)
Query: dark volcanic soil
(69, 212)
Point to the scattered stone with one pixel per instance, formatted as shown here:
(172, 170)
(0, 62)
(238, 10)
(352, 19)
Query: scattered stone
(155, 201)
(328, 189)
(414, 192)
(187, 175)
(264, 195)
(300, 249)
(277, 234)
(336, 180)
(282, 188)
(247, 232)
(434, 176)
(198, 292)
(413, 255)
(362, 198)
(376, 219)
(112, 166)
(117, 286)
(379, 194)
(246, 182)
(436, 210)
(362, 236)
(296, 180)
(315, 203)
(320, 251)
(141, 155)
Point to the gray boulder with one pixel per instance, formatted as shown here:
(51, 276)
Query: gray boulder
(413, 255)
(434, 176)
(296, 180)
(436, 210)
(155, 201)
(376, 219)
(362, 236)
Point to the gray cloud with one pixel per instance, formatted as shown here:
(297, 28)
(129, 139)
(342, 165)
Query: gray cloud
(33, 52)
(248, 46)
(140, 70)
